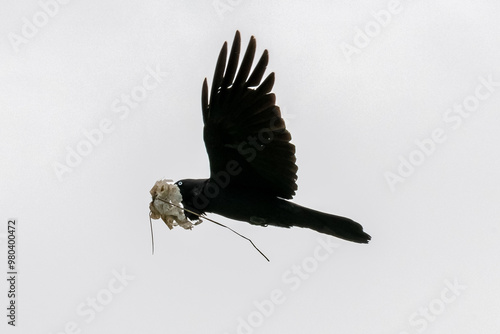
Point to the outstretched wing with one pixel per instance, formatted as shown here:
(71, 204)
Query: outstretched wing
(244, 127)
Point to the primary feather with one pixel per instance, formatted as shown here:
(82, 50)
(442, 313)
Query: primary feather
(243, 124)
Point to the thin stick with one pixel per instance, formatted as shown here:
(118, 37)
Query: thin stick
(213, 221)
(152, 238)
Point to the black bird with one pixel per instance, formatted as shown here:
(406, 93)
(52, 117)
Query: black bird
(252, 162)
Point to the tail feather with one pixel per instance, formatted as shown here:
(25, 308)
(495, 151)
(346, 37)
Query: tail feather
(337, 226)
(340, 227)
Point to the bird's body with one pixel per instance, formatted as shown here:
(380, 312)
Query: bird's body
(252, 162)
(251, 206)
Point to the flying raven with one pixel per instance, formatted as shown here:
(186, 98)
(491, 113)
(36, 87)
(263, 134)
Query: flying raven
(252, 162)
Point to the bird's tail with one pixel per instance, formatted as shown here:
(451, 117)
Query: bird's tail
(336, 226)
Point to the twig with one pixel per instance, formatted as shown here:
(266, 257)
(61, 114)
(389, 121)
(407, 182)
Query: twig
(213, 221)
(152, 238)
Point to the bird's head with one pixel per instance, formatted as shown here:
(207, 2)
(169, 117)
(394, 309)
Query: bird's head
(189, 188)
(192, 196)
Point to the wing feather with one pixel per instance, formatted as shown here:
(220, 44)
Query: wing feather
(246, 63)
(244, 124)
(219, 70)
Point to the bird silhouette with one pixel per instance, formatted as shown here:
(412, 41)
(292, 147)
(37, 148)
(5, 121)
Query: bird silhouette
(252, 161)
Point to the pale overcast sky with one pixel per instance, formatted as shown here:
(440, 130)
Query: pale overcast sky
(394, 110)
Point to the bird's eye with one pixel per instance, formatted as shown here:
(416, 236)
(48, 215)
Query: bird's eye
(179, 183)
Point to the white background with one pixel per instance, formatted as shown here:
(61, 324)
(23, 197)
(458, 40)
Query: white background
(351, 117)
